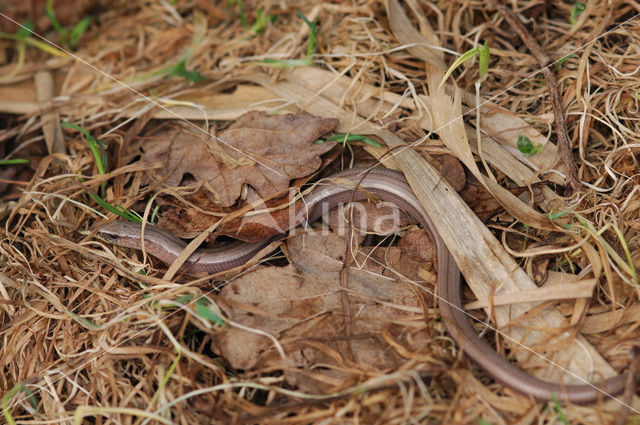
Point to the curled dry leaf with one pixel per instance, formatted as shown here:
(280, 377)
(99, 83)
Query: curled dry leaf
(301, 305)
(262, 151)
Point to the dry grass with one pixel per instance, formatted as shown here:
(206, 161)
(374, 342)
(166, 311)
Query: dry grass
(84, 323)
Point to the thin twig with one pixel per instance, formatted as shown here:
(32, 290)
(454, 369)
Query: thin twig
(564, 143)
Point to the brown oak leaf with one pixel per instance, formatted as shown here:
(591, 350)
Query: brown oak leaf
(301, 305)
(262, 151)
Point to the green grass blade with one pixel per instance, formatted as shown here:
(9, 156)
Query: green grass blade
(26, 29)
(154, 214)
(311, 48)
(165, 378)
(561, 61)
(118, 210)
(469, 54)
(14, 161)
(180, 69)
(185, 299)
(558, 409)
(98, 148)
(344, 138)
(45, 47)
(13, 391)
(48, 10)
(262, 21)
(287, 63)
(576, 10)
(85, 323)
(241, 15)
(204, 310)
(78, 30)
(484, 55)
(627, 253)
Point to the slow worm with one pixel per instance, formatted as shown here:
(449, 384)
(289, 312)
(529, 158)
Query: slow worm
(392, 187)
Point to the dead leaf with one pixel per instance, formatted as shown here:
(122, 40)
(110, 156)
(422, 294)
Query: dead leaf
(451, 169)
(181, 219)
(418, 245)
(184, 221)
(301, 305)
(484, 204)
(262, 151)
(480, 200)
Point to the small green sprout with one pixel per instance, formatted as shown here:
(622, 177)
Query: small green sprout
(98, 148)
(553, 216)
(117, 209)
(99, 151)
(313, 34)
(205, 309)
(180, 70)
(346, 138)
(165, 379)
(561, 61)
(154, 214)
(483, 421)
(13, 391)
(482, 52)
(48, 9)
(26, 29)
(23, 37)
(185, 299)
(262, 21)
(576, 10)
(484, 55)
(526, 147)
(558, 409)
(69, 38)
(243, 18)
